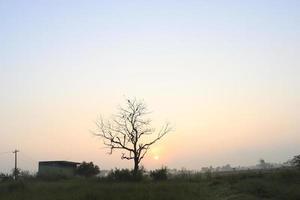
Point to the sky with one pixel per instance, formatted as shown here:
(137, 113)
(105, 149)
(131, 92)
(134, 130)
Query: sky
(225, 74)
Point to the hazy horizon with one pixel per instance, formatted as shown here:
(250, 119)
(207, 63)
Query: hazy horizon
(224, 74)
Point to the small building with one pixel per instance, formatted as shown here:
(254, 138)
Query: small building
(57, 168)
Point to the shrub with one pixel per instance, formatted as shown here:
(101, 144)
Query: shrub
(159, 174)
(5, 177)
(87, 169)
(296, 161)
(26, 175)
(125, 175)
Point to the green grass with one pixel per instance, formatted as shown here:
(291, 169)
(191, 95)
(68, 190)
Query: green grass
(281, 185)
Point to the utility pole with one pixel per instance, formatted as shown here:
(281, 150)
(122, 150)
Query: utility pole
(16, 171)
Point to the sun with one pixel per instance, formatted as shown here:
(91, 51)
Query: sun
(156, 157)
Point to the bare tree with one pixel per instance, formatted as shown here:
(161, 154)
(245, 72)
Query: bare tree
(127, 131)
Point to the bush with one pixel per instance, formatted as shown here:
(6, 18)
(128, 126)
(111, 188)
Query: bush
(296, 161)
(125, 175)
(26, 175)
(87, 169)
(159, 174)
(120, 174)
(5, 177)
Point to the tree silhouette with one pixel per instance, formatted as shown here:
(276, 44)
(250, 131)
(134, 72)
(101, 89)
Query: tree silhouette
(87, 169)
(296, 161)
(127, 132)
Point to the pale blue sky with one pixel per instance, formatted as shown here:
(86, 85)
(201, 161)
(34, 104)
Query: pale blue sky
(218, 70)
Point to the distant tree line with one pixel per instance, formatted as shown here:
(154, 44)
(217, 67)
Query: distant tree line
(89, 169)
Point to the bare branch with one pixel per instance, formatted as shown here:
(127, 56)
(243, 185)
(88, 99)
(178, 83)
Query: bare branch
(126, 130)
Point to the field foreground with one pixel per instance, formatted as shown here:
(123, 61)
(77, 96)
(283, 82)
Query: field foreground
(283, 184)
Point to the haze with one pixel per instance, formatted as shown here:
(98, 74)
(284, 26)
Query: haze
(224, 73)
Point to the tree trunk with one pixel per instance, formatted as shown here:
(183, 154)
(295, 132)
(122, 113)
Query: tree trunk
(136, 166)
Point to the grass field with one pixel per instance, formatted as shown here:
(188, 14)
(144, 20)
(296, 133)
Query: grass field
(279, 184)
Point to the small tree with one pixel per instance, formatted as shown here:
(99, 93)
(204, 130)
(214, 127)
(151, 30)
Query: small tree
(87, 169)
(296, 161)
(127, 131)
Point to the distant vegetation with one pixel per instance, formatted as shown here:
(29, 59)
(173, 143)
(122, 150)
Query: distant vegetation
(87, 169)
(123, 175)
(275, 184)
(296, 161)
(161, 184)
(159, 174)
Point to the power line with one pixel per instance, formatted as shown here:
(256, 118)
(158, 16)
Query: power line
(6, 152)
(16, 161)
(24, 158)
(28, 157)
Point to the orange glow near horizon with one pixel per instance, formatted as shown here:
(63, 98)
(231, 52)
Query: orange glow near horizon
(230, 89)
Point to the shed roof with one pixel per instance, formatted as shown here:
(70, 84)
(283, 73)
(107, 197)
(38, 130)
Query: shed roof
(60, 162)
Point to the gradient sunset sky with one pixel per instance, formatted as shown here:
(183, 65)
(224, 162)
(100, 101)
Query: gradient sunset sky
(226, 74)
